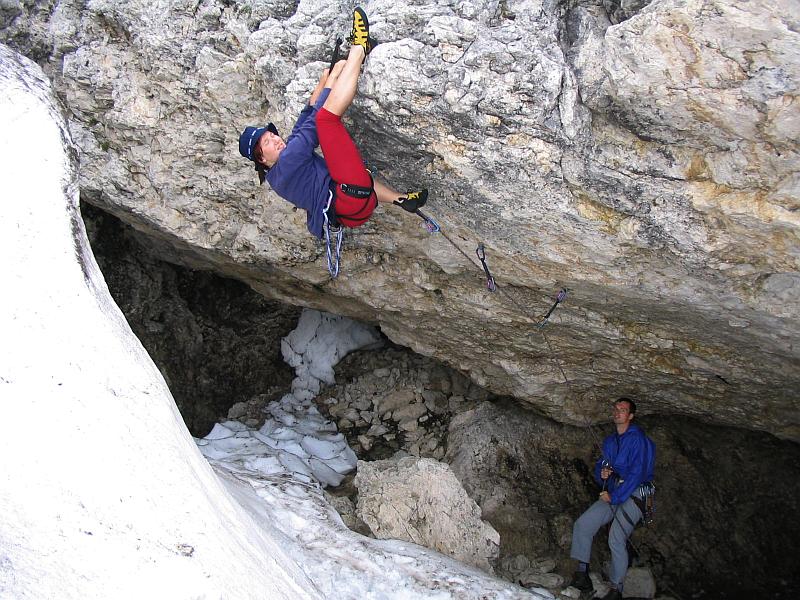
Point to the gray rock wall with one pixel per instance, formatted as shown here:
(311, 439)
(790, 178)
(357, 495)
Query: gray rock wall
(647, 161)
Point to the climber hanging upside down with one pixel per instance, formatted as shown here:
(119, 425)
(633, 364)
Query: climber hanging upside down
(338, 188)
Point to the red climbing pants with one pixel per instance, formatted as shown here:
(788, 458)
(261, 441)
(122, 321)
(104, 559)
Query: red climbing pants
(346, 167)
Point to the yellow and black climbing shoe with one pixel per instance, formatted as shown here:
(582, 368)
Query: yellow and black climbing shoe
(412, 201)
(359, 35)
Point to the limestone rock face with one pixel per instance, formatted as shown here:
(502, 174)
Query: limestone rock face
(644, 157)
(420, 500)
(524, 472)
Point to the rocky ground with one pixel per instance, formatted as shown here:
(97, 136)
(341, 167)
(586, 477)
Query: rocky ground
(530, 476)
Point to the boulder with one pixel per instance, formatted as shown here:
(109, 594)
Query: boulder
(420, 500)
(639, 583)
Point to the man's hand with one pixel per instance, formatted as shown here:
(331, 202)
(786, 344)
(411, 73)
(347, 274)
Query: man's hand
(605, 497)
(605, 473)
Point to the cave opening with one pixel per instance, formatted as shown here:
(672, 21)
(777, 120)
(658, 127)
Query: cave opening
(726, 524)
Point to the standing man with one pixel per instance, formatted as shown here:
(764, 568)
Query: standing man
(625, 472)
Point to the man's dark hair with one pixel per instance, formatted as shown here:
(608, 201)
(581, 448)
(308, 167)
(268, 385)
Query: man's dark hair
(631, 404)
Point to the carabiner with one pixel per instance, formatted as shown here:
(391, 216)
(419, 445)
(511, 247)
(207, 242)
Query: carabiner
(480, 251)
(431, 225)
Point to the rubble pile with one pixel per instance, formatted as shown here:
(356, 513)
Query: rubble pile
(392, 400)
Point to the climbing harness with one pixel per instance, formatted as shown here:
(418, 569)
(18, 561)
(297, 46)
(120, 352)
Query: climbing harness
(355, 203)
(333, 254)
(431, 225)
(480, 251)
(643, 495)
(639, 495)
(606, 464)
(359, 192)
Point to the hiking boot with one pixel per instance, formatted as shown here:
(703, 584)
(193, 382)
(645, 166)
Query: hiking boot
(581, 581)
(613, 594)
(359, 35)
(412, 201)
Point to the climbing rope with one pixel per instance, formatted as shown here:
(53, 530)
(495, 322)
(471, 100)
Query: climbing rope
(333, 258)
(491, 284)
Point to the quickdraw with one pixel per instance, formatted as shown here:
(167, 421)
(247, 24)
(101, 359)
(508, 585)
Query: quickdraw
(560, 297)
(491, 285)
(645, 498)
(480, 251)
(431, 225)
(333, 255)
(335, 53)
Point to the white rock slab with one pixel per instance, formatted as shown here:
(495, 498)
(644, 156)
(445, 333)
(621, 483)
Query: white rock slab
(114, 499)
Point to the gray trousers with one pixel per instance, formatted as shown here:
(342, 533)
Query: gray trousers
(597, 515)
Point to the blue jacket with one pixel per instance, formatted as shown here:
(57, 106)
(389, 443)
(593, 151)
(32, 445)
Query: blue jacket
(300, 175)
(632, 455)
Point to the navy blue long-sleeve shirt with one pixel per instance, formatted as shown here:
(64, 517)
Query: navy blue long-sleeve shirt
(300, 175)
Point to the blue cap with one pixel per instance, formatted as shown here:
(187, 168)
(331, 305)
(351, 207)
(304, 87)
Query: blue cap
(250, 137)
